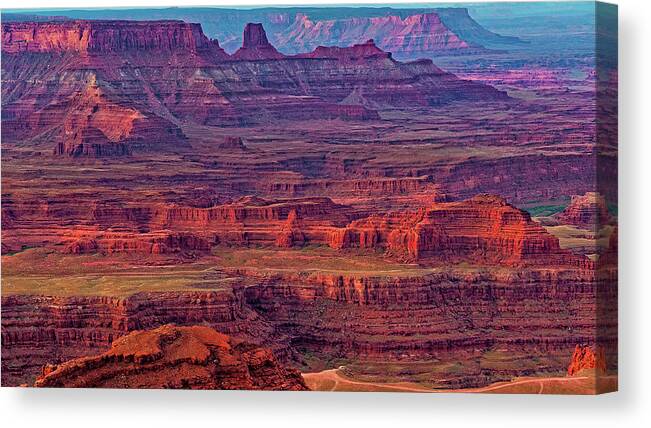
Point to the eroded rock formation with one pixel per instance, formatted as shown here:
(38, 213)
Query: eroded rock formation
(196, 357)
(586, 358)
(404, 319)
(414, 36)
(255, 45)
(444, 30)
(97, 36)
(589, 211)
(484, 229)
(360, 51)
(175, 74)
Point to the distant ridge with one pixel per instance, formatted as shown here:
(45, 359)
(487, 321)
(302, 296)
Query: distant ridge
(447, 30)
(176, 74)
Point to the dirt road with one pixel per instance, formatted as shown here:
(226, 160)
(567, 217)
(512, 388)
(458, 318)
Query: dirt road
(333, 380)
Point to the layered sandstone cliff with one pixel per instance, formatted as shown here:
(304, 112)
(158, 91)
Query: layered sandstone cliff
(170, 73)
(481, 230)
(586, 358)
(439, 28)
(96, 37)
(588, 211)
(415, 36)
(194, 357)
(447, 317)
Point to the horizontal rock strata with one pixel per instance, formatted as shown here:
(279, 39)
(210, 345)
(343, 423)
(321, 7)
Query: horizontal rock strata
(406, 319)
(484, 230)
(170, 73)
(196, 357)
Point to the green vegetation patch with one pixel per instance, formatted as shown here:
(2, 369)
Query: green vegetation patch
(544, 210)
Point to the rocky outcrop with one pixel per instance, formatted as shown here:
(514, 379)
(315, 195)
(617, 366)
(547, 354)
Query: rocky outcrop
(37, 330)
(97, 36)
(232, 143)
(196, 357)
(255, 45)
(586, 358)
(291, 233)
(484, 229)
(588, 211)
(366, 50)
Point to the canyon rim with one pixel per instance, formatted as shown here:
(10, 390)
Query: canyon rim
(389, 198)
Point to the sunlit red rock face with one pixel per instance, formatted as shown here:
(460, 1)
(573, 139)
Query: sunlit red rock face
(195, 357)
(484, 229)
(588, 211)
(339, 150)
(447, 316)
(585, 358)
(90, 37)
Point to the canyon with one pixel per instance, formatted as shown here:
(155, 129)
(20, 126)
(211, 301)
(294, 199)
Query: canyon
(202, 85)
(230, 203)
(408, 33)
(483, 230)
(475, 320)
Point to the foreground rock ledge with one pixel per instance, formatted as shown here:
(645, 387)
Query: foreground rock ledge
(194, 357)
